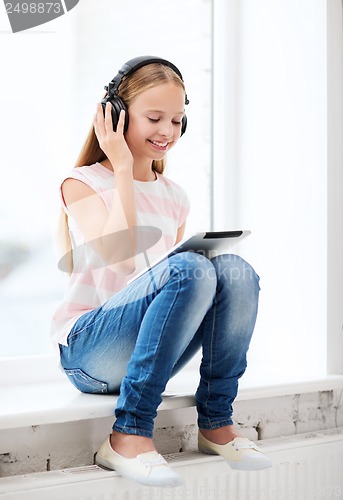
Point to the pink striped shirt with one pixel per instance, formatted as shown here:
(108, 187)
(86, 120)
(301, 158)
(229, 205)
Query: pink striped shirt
(162, 204)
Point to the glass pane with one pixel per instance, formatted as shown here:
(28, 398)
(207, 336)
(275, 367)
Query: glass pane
(277, 175)
(54, 77)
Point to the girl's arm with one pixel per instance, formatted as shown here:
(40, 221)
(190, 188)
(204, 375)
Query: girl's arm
(111, 234)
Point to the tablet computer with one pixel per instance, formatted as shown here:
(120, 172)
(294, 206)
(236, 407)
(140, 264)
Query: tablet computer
(207, 243)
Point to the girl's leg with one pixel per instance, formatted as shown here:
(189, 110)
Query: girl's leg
(138, 336)
(226, 333)
(224, 336)
(166, 331)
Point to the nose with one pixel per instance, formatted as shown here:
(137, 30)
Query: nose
(166, 128)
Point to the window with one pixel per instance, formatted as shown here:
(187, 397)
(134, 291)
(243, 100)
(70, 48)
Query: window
(275, 149)
(269, 145)
(35, 120)
(54, 77)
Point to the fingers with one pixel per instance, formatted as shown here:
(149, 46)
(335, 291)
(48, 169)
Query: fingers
(121, 122)
(99, 121)
(108, 118)
(104, 124)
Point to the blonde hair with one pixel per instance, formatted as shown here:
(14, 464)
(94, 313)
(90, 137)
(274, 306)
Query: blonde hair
(130, 87)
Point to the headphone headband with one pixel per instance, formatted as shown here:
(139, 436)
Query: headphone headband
(133, 65)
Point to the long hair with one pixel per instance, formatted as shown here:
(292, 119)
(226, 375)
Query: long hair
(130, 87)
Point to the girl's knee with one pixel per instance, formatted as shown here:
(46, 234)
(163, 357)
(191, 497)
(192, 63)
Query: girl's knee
(194, 262)
(233, 269)
(196, 268)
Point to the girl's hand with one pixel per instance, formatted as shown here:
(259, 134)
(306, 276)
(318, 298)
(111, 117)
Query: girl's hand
(112, 143)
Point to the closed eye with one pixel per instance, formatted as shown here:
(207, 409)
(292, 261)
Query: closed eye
(155, 120)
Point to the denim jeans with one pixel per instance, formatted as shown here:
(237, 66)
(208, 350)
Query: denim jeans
(146, 333)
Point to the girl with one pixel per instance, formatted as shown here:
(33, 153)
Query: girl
(132, 338)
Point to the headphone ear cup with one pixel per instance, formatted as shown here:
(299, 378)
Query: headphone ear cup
(184, 125)
(117, 105)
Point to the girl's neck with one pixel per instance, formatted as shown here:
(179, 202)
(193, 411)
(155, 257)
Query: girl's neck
(140, 173)
(142, 169)
(144, 175)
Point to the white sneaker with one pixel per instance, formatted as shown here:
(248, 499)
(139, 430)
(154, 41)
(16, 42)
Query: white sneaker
(240, 453)
(149, 468)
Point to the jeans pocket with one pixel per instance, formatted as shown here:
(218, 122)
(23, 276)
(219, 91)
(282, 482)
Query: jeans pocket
(85, 383)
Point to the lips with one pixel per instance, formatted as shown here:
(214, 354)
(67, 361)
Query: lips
(161, 146)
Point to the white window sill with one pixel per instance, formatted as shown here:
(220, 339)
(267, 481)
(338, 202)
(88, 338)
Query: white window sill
(57, 402)
(33, 404)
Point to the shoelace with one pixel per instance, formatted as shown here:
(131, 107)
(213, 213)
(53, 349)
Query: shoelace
(244, 446)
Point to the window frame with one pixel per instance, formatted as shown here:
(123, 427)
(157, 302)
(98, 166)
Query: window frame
(334, 187)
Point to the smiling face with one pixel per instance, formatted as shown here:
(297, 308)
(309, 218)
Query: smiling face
(155, 122)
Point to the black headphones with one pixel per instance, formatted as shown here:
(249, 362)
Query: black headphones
(128, 68)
